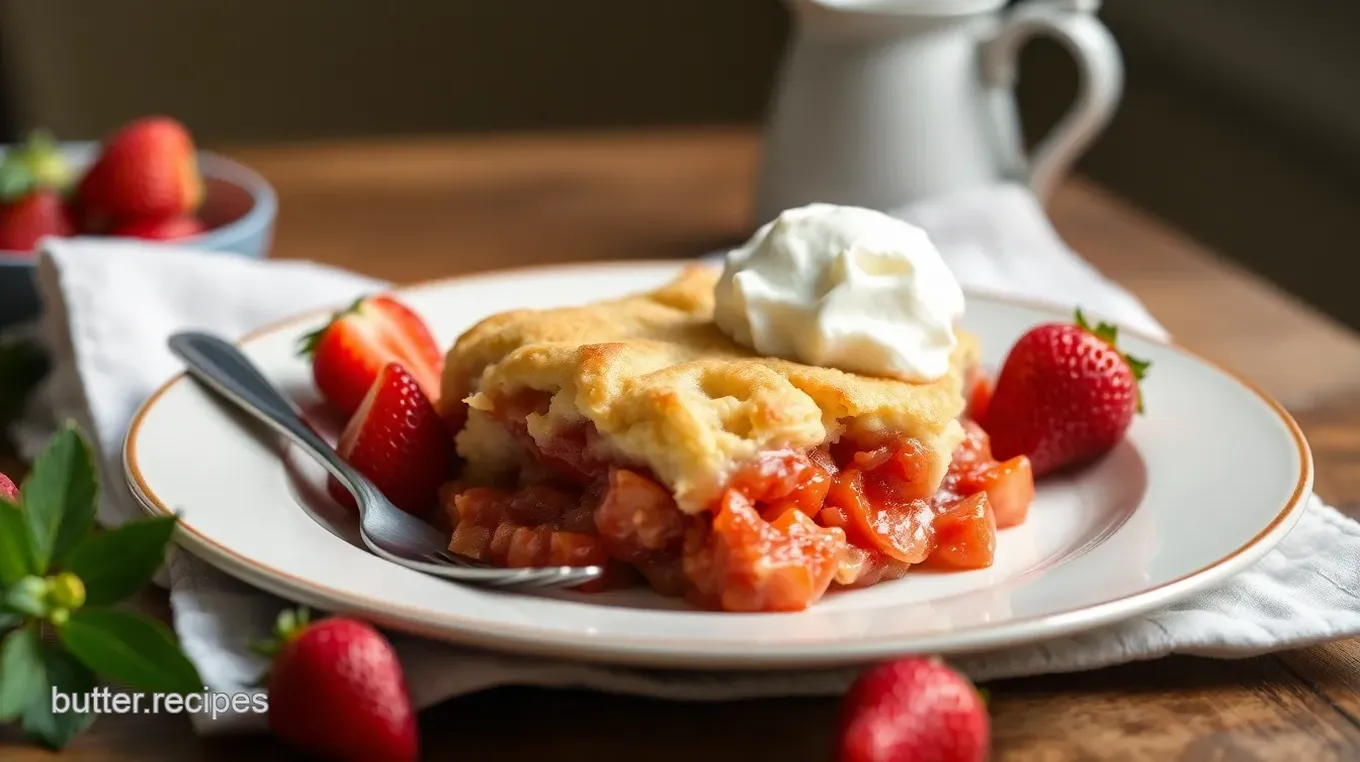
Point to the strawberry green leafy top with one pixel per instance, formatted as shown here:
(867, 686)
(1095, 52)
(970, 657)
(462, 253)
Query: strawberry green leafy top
(1109, 333)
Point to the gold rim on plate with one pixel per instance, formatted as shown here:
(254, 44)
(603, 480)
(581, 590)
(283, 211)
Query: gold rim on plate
(477, 633)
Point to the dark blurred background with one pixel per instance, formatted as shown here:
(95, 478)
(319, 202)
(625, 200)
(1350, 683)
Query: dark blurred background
(1240, 122)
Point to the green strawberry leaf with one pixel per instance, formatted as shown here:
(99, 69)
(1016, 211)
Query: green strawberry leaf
(61, 672)
(1081, 320)
(1139, 367)
(1107, 332)
(288, 626)
(1110, 335)
(308, 342)
(22, 365)
(21, 671)
(117, 563)
(130, 649)
(59, 496)
(16, 549)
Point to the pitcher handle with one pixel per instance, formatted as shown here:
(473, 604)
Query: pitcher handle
(1072, 23)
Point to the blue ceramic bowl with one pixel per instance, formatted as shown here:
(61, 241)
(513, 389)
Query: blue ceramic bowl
(239, 208)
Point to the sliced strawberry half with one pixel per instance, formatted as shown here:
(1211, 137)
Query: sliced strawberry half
(349, 352)
(399, 442)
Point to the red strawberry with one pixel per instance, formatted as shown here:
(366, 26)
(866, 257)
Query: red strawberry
(398, 441)
(336, 691)
(1065, 396)
(171, 229)
(348, 352)
(913, 710)
(24, 221)
(148, 170)
(7, 489)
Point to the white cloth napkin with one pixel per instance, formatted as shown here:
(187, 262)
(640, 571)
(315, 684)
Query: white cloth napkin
(111, 306)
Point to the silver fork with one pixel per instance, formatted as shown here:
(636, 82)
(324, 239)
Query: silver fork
(387, 530)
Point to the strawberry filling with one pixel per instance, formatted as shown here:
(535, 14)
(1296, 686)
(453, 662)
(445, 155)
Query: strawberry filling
(1009, 484)
(965, 535)
(786, 527)
(741, 562)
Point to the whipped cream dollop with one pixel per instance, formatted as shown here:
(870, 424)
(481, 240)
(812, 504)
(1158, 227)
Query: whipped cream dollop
(842, 287)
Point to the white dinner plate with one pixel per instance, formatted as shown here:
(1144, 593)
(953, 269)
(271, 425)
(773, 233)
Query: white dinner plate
(1210, 478)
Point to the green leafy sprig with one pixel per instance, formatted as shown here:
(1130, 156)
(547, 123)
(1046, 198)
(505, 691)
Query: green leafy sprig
(59, 582)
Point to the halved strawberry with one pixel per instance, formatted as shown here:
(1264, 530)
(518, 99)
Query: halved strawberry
(348, 353)
(399, 442)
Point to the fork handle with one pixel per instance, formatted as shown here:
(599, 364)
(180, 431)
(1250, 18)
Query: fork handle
(228, 371)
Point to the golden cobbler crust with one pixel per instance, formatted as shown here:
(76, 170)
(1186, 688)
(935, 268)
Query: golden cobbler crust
(668, 390)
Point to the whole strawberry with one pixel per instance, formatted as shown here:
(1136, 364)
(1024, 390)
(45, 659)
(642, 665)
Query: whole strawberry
(7, 489)
(336, 691)
(26, 220)
(170, 229)
(148, 170)
(1066, 395)
(348, 352)
(913, 710)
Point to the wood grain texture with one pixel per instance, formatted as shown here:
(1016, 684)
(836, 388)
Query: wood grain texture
(417, 210)
(1209, 305)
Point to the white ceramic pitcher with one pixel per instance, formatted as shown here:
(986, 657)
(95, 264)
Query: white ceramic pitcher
(884, 102)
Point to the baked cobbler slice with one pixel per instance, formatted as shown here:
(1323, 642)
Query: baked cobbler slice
(636, 434)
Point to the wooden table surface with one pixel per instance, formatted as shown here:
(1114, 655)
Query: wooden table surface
(419, 209)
